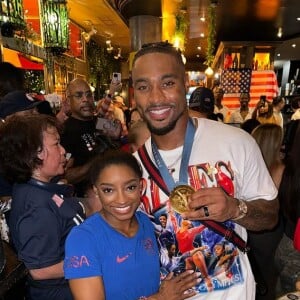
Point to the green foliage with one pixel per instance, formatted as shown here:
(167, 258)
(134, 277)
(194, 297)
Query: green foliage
(211, 37)
(34, 81)
(181, 24)
(101, 65)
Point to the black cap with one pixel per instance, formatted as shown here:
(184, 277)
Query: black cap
(16, 101)
(202, 100)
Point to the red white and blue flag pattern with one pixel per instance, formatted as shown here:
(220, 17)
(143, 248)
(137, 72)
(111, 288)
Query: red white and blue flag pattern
(257, 83)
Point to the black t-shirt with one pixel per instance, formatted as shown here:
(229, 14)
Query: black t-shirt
(81, 139)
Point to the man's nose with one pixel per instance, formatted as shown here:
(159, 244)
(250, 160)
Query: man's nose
(156, 94)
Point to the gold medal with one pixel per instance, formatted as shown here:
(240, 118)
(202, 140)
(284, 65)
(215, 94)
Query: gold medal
(179, 197)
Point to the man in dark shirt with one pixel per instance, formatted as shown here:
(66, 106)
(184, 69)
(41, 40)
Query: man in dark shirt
(80, 137)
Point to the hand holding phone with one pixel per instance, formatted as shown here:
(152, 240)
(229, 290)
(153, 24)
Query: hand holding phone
(116, 84)
(112, 128)
(116, 77)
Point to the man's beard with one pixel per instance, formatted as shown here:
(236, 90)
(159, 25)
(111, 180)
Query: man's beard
(164, 130)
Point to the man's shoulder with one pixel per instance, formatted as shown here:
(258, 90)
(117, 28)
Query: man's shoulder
(73, 125)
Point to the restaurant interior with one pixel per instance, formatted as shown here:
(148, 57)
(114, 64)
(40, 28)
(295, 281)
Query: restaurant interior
(262, 32)
(55, 41)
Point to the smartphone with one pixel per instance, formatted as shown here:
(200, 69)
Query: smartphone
(103, 124)
(68, 156)
(262, 100)
(116, 77)
(112, 128)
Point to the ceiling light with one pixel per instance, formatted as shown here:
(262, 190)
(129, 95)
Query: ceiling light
(279, 33)
(209, 71)
(199, 48)
(118, 54)
(294, 45)
(202, 19)
(202, 35)
(87, 35)
(109, 47)
(278, 54)
(298, 19)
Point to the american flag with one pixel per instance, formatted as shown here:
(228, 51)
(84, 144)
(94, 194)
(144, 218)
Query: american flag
(263, 83)
(236, 81)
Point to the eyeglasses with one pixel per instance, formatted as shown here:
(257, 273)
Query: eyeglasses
(79, 95)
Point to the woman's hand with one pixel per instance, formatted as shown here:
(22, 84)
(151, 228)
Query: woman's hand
(177, 287)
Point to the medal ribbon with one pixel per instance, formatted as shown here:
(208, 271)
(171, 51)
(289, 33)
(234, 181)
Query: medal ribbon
(186, 153)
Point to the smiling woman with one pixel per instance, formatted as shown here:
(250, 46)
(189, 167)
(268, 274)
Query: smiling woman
(98, 272)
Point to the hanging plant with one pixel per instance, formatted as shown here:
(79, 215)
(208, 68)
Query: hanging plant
(211, 37)
(181, 27)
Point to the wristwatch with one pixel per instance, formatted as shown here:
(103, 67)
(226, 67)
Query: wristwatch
(243, 210)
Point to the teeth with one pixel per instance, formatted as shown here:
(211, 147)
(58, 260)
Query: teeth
(160, 111)
(122, 209)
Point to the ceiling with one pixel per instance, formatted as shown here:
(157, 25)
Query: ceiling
(236, 20)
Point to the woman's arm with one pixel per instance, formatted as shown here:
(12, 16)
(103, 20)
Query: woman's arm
(172, 288)
(90, 288)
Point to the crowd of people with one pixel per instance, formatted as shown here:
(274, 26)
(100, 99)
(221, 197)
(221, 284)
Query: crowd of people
(157, 201)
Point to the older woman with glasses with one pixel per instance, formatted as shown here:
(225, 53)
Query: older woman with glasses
(43, 211)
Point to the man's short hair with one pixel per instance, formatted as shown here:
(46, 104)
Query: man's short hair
(159, 47)
(243, 95)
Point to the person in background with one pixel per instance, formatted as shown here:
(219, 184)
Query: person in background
(287, 258)
(205, 171)
(42, 212)
(64, 112)
(263, 112)
(137, 135)
(263, 244)
(120, 108)
(278, 104)
(134, 117)
(129, 267)
(202, 103)
(14, 102)
(219, 107)
(249, 125)
(243, 113)
(121, 113)
(295, 105)
(80, 137)
(11, 79)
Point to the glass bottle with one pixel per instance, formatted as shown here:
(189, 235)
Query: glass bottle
(235, 63)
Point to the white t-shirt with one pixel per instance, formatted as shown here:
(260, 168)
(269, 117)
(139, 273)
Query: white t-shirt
(236, 117)
(224, 111)
(222, 156)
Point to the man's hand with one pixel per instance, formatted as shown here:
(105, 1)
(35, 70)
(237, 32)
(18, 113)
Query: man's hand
(214, 204)
(211, 204)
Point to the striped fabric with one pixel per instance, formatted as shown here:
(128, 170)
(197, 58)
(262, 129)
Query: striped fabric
(262, 83)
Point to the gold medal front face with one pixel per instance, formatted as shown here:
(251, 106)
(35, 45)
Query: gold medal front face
(179, 198)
